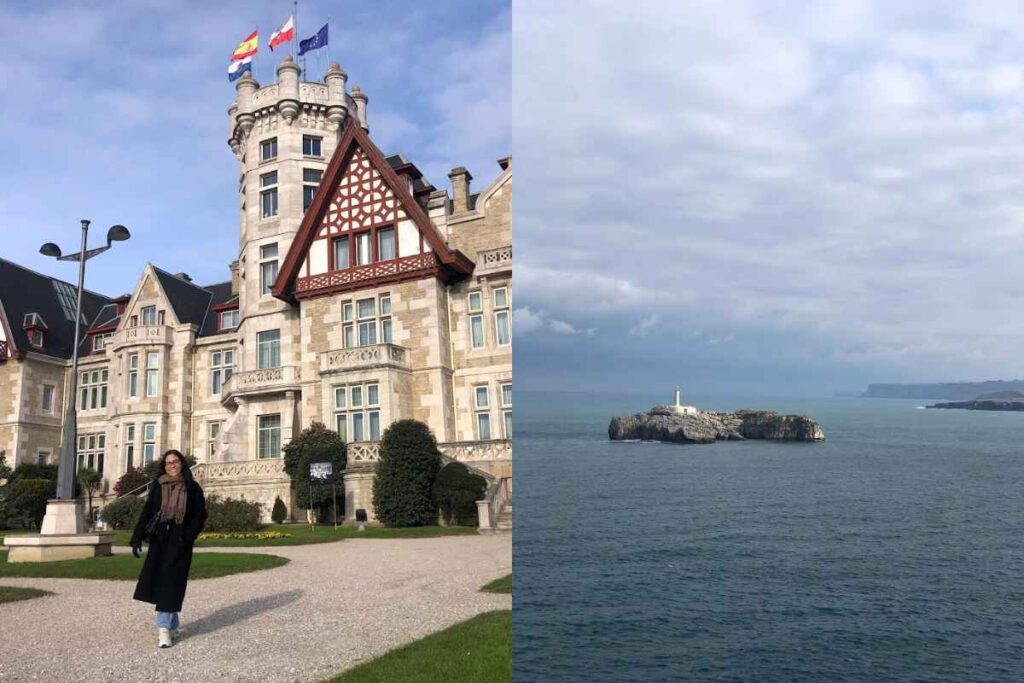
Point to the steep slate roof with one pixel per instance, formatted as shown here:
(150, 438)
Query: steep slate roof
(189, 301)
(24, 291)
(352, 138)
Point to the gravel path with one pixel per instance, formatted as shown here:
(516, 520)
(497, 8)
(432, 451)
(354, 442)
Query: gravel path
(333, 606)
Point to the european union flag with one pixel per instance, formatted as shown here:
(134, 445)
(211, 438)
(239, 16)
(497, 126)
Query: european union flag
(314, 43)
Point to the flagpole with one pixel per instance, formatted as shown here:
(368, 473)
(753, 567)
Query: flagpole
(328, 42)
(255, 55)
(295, 35)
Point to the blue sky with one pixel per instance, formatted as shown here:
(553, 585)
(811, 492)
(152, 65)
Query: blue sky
(116, 112)
(768, 197)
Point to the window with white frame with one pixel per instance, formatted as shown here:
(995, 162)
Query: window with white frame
(91, 448)
(35, 338)
(152, 373)
(222, 364)
(268, 149)
(129, 445)
(268, 349)
(268, 194)
(48, 392)
(506, 408)
(148, 442)
(312, 146)
(229, 319)
(357, 411)
(311, 178)
(213, 434)
(366, 322)
(364, 250)
(133, 375)
(476, 320)
(149, 315)
(93, 392)
(268, 436)
(482, 408)
(502, 321)
(268, 267)
(100, 341)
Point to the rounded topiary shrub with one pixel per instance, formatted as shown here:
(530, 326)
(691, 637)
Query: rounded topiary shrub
(123, 512)
(280, 512)
(403, 488)
(456, 491)
(229, 514)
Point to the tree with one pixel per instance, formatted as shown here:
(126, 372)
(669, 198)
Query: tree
(409, 462)
(28, 500)
(132, 479)
(280, 512)
(5, 471)
(316, 443)
(90, 480)
(456, 491)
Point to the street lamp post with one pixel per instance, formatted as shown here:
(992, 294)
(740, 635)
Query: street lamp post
(66, 468)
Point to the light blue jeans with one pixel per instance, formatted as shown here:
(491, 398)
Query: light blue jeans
(167, 620)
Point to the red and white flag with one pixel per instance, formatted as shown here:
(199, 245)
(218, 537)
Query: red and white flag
(285, 33)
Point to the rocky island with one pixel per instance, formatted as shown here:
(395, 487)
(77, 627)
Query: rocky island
(1003, 400)
(685, 424)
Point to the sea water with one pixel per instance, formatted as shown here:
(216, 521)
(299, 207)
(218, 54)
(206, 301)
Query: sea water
(892, 551)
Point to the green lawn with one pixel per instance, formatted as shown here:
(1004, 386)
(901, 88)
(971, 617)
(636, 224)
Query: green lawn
(126, 567)
(15, 593)
(502, 585)
(301, 534)
(476, 650)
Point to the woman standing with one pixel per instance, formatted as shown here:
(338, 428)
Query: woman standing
(174, 514)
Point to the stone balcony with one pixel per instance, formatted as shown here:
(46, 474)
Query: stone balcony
(257, 382)
(142, 334)
(491, 261)
(364, 357)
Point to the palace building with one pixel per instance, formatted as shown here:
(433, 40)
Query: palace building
(360, 295)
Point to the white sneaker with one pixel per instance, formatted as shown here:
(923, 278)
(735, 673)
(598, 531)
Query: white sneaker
(165, 637)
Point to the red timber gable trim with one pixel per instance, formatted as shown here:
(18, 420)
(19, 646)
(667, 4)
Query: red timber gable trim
(442, 262)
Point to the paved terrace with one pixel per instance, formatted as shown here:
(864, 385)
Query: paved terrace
(332, 607)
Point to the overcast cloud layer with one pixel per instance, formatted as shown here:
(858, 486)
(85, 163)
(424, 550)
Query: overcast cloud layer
(768, 197)
(116, 111)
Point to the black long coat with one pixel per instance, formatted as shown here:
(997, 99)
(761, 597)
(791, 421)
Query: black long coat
(164, 575)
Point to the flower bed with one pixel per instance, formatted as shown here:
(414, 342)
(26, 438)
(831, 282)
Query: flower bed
(239, 535)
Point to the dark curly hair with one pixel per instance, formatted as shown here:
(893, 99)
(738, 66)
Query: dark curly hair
(161, 468)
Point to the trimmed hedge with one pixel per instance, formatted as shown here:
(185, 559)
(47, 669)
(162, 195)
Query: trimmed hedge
(280, 512)
(123, 513)
(230, 514)
(28, 499)
(456, 491)
(408, 465)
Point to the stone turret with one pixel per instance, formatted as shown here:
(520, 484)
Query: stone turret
(360, 99)
(288, 89)
(337, 107)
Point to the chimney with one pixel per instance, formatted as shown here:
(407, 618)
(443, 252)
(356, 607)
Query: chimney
(122, 303)
(183, 276)
(460, 178)
(234, 276)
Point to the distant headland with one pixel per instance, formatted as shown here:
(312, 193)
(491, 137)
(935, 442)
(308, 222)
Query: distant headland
(679, 423)
(1001, 400)
(956, 391)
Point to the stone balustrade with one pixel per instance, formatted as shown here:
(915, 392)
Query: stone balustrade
(362, 357)
(142, 334)
(262, 381)
(473, 451)
(494, 260)
(212, 472)
(362, 452)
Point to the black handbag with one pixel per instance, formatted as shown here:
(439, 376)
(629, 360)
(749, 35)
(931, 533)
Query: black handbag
(152, 528)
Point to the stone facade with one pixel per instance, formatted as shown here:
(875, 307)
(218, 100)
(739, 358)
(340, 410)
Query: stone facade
(231, 372)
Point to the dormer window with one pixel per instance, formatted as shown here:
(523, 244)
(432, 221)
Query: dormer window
(34, 328)
(229, 319)
(99, 342)
(149, 315)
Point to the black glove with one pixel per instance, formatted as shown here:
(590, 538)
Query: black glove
(137, 550)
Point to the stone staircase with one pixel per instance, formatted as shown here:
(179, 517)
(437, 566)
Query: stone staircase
(504, 524)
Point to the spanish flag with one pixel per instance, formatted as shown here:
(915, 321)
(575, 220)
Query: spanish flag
(241, 58)
(247, 48)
